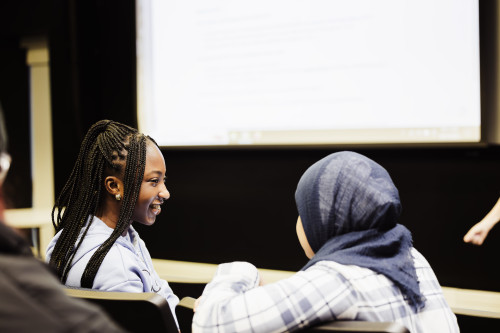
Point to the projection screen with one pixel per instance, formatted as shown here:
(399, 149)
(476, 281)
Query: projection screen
(317, 72)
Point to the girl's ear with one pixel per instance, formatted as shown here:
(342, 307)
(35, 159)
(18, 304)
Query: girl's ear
(113, 185)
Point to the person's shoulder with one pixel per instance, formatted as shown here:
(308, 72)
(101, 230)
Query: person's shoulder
(97, 234)
(119, 269)
(121, 253)
(418, 259)
(98, 227)
(25, 269)
(95, 237)
(329, 266)
(356, 277)
(327, 269)
(32, 285)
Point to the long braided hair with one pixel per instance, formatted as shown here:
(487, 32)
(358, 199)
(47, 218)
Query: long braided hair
(108, 147)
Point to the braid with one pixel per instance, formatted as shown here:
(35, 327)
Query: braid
(134, 172)
(107, 145)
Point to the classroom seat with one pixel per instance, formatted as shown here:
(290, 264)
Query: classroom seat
(135, 312)
(139, 311)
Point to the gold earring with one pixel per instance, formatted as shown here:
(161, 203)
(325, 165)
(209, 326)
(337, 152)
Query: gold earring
(118, 197)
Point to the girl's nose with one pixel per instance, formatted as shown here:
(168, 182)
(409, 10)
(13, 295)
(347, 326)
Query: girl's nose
(165, 194)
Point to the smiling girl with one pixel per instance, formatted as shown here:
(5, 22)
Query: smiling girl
(118, 178)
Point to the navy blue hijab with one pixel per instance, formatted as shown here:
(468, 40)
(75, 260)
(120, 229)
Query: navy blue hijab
(349, 209)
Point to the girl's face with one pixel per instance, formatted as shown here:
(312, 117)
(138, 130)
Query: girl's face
(153, 190)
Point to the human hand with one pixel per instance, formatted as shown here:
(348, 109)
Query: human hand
(477, 234)
(261, 280)
(196, 303)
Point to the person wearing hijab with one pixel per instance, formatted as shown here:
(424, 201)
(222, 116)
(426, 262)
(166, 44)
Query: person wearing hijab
(362, 263)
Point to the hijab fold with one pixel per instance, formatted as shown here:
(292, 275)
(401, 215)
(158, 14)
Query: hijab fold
(349, 209)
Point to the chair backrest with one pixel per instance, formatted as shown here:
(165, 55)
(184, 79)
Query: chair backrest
(135, 312)
(359, 326)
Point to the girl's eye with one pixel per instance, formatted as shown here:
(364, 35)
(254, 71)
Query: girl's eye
(156, 181)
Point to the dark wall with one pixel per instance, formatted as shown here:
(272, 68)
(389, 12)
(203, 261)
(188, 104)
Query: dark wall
(92, 51)
(237, 204)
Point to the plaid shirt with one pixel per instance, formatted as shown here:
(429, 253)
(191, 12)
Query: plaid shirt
(234, 302)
